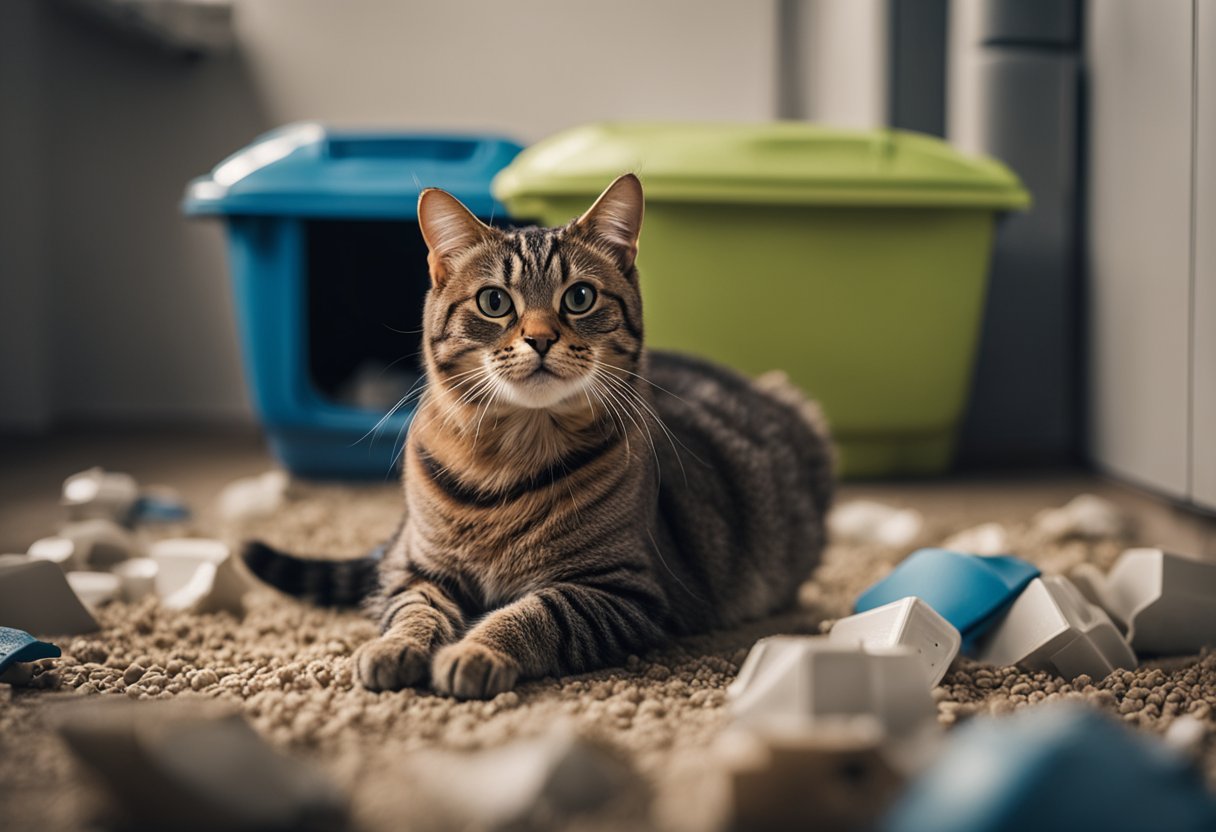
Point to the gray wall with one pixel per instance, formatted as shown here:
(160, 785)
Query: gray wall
(114, 308)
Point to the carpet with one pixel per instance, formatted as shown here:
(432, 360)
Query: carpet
(286, 667)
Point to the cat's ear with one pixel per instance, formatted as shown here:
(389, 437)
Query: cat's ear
(616, 218)
(448, 229)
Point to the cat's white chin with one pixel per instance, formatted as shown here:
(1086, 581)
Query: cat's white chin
(542, 392)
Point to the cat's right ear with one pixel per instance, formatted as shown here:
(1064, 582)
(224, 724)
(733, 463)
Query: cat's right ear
(448, 229)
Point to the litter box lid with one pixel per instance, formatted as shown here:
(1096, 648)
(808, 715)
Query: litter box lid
(778, 163)
(309, 170)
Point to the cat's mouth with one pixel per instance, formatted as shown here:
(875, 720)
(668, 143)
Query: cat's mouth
(542, 387)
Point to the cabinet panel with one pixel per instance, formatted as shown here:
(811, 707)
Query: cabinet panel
(1139, 197)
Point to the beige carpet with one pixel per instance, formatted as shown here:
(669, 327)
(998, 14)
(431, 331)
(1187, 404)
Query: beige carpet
(286, 666)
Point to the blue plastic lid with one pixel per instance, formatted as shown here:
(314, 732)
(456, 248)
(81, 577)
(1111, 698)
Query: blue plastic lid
(966, 590)
(308, 170)
(1054, 767)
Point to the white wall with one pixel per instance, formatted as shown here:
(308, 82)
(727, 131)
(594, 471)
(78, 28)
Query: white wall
(113, 307)
(845, 61)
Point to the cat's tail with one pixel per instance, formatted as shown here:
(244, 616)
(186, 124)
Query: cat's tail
(325, 582)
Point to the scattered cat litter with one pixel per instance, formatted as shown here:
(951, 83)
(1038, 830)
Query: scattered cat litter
(197, 574)
(1085, 516)
(985, 539)
(1166, 601)
(865, 521)
(556, 775)
(909, 622)
(138, 578)
(35, 596)
(94, 588)
(836, 779)
(803, 680)
(253, 497)
(1054, 768)
(18, 646)
(1052, 627)
(97, 493)
(194, 766)
(969, 591)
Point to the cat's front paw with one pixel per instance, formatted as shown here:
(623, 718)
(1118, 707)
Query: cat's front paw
(469, 670)
(389, 663)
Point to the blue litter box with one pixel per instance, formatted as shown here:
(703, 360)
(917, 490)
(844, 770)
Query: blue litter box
(329, 276)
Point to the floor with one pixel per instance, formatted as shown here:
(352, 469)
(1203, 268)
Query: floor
(198, 463)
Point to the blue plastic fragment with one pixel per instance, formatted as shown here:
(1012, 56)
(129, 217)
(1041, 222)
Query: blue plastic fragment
(1054, 768)
(19, 646)
(149, 509)
(969, 591)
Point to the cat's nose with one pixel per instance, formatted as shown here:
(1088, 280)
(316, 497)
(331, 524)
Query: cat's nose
(539, 332)
(540, 343)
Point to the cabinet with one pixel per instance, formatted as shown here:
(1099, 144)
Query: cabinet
(1152, 270)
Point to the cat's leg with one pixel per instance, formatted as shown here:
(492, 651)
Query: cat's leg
(417, 618)
(556, 630)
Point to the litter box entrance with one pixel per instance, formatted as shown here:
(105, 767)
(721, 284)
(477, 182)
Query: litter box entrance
(367, 282)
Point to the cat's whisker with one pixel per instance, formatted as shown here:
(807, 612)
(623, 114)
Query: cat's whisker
(636, 375)
(672, 439)
(630, 409)
(617, 422)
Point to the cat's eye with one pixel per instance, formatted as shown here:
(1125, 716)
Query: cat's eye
(579, 298)
(493, 302)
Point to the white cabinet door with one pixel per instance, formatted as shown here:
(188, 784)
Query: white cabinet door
(1203, 369)
(1139, 199)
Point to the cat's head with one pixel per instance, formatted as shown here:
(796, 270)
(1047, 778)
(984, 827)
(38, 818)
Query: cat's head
(532, 317)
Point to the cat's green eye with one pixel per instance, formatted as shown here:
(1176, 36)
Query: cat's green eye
(493, 302)
(579, 298)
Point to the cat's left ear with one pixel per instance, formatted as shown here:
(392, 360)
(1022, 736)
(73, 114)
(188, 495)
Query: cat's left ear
(616, 218)
(448, 229)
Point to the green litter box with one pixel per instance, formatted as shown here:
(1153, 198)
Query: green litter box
(856, 261)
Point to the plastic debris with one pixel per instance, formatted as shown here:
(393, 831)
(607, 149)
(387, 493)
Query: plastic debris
(1054, 768)
(837, 778)
(19, 646)
(35, 596)
(94, 588)
(800, 681)
(865, 521)
(96, 544)
(97, 493)
(985, 539)
(253, 497)
(555, 775)
(1085, 516)
(61, 551)
(909, 622)
(160, 504)
(1052, 627)
(197, 574)
(969, 591)
(172, 765)
(138, 578)
(1166, 601)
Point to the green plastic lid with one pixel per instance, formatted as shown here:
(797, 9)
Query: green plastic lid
(779, 163)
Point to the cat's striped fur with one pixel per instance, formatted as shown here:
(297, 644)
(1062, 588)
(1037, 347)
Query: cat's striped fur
(571, 498)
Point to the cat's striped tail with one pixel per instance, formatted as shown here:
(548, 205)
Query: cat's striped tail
(325, 582)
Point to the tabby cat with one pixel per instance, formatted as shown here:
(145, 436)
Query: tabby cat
(571, 498)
